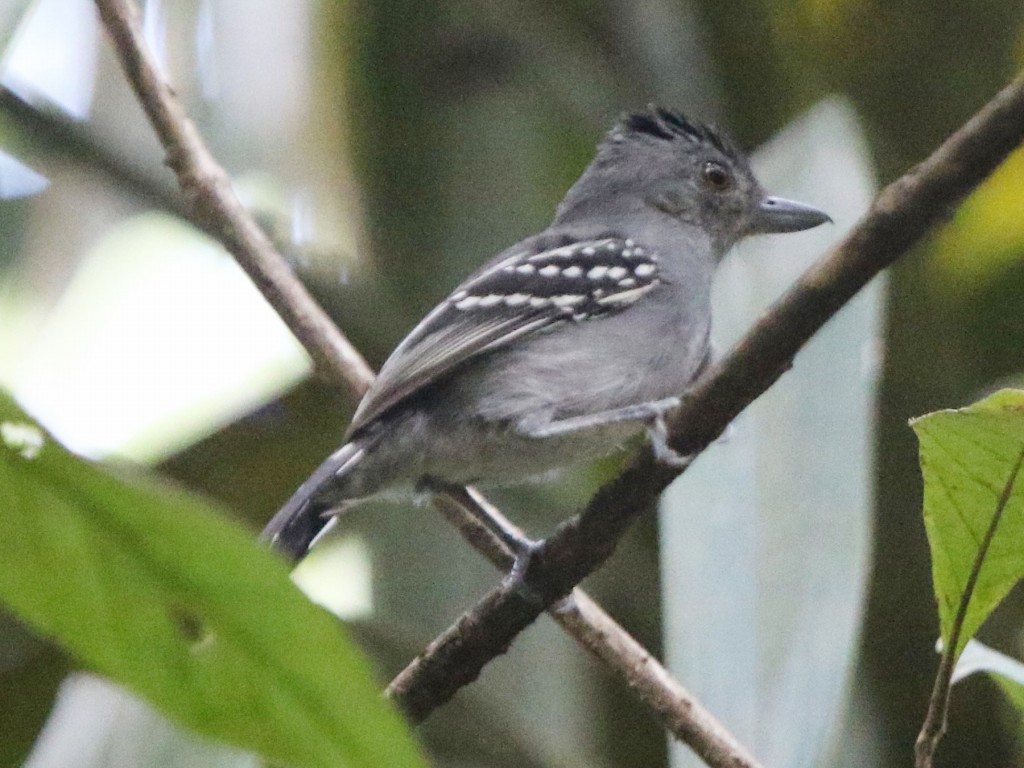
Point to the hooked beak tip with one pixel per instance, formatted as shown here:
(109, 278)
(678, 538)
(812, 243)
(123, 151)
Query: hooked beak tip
(776, 214)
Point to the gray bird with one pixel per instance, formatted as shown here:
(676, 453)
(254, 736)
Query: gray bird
(565, 345)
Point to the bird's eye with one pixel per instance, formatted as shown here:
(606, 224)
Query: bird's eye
(716, 176)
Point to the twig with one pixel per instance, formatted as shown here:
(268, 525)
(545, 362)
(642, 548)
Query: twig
(208, 193)
(934, 726)
(901, 214)
(41, 125)
(206, 186)
(48, 136)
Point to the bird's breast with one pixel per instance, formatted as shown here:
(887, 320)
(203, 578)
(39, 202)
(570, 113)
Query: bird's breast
(597, 365)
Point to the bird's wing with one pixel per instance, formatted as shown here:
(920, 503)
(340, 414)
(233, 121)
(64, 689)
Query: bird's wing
(523, 293)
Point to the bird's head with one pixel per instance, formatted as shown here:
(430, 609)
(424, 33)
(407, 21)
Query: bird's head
(660, 161)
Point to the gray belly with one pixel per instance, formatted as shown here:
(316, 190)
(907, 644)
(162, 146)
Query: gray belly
(472, 428)
(473, 451)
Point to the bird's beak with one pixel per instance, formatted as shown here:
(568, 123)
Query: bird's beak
(776, 214)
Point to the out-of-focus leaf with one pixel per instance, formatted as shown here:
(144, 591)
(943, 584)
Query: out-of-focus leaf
(18, 180)
(95, 724)
(164, 336)
(765, 542)
(10, 17)
(967, 458)
(53, 53)
(987, 234)
(1007, 672)
(149, 586)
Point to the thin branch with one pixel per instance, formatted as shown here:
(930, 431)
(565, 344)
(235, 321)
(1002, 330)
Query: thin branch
(46, 136)
(677, 709)
(901, 214)
(934, 726)
(600, 635)
(209, 196)
(208, 190)
(48, 132)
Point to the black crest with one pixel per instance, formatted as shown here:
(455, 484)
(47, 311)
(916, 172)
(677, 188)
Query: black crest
(665, 124)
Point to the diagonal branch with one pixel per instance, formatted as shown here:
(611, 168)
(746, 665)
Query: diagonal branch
(901, 214)
(207, 189)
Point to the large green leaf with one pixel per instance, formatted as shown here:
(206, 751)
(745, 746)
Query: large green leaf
(968, 457)
(150, 586)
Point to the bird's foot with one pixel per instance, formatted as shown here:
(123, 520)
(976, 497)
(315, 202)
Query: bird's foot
(657, 435)
(523, 550)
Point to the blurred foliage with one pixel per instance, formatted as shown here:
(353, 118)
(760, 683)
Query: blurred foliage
(161, 593)
(984, 242)
(465, 122)
(30, 671)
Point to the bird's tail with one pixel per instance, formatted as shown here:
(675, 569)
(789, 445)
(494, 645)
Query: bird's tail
(305, 515)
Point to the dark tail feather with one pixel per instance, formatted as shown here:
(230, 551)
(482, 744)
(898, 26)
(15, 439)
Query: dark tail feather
(297, 524)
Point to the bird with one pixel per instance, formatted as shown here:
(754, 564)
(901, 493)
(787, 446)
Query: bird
(566, 345)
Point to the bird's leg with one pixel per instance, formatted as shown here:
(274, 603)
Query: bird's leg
(512, 537)
(641, 413)
(652, 415)
(519, 545)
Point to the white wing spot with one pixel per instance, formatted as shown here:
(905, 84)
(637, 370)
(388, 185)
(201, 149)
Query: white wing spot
(459, 296)
(573, 271)
(627, 254)
(629, 282)
(550, 270)
(588, 251)
(629, 243)
(617, 273)
(517, 299)
(526, 269)
(568, 300)
(491, 299)
(539, 301)
(612, 246)
(644, 270)
(597, 272)
(467, 303)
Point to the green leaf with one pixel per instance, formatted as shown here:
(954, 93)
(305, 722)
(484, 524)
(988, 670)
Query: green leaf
(968, 457)
(155, 589)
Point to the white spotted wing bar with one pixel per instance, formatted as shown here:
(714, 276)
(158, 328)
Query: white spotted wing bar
(527, 292)
(578, 281)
